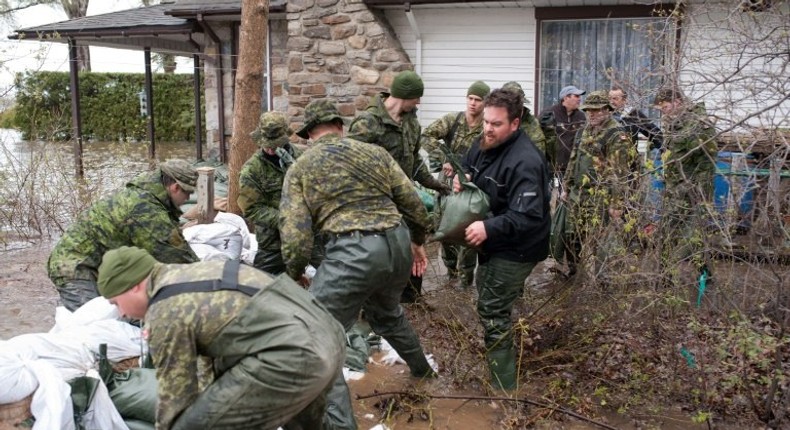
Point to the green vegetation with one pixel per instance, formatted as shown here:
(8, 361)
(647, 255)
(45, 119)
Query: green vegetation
(110, 106)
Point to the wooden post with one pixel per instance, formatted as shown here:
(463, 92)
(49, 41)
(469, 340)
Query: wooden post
(205, 195)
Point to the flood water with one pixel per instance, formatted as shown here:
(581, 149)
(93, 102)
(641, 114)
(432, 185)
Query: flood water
(40, 193)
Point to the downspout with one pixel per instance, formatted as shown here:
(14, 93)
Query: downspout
(417, 45)
(417, 37)
(220, 84)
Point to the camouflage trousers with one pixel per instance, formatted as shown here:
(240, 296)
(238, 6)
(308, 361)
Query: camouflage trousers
(460, 262)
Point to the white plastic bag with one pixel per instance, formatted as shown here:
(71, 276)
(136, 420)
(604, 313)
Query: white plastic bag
(223, 237)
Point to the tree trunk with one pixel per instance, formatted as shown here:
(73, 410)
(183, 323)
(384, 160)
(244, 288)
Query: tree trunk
(249, 85)
(79, 9)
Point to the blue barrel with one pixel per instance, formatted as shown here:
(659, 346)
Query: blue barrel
(725, 178)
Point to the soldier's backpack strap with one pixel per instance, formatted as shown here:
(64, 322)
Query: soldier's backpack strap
(449, 141)
(229, 282)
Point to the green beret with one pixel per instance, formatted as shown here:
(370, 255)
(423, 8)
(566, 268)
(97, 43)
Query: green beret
(478, 88)
(182, 172)
(122, 269)
(407, 85)
(272, 131)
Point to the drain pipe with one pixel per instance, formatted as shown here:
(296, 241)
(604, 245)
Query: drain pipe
(417, 45)
(220, 86)
(417, 37)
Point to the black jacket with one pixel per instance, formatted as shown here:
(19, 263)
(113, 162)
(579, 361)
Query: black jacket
(636, 122)
(516, 178)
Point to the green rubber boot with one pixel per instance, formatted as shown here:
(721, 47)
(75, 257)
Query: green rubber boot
(502, 364)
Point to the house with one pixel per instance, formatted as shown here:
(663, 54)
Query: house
(730, 54)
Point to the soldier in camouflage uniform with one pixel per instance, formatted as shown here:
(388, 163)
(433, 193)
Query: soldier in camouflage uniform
(689, 156)
(597, 180)
(457, 131)
(358, 197)
(529, 123)
(275, 349)
(390, 121)
(144, 214)
(261, 184)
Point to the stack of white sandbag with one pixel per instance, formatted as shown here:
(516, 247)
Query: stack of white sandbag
(227, 238)
(41, 363)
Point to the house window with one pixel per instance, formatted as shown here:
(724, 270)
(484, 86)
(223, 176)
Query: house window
(595, 53)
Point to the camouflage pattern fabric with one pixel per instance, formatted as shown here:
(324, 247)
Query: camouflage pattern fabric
(440, 130)
(260, 189)
(690, 148)
(141, 215)
(341, 185)
(275, 354)
(402, 140)
(598, 173)
(531, 127)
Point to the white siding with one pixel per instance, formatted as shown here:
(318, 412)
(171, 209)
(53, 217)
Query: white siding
(737, 63)
(460, 46)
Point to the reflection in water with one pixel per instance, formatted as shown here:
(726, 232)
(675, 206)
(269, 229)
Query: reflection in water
(39, 194)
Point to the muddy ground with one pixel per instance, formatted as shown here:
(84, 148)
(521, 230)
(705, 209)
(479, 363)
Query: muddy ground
(460, 399)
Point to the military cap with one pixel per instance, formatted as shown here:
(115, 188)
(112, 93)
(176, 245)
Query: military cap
(478, 88)
(272, 131)
(515, 87)
(570, 89)
(407, 85)
(318, 112)
(182, 172)
(123, 268)
(597, 100)
(667, 95)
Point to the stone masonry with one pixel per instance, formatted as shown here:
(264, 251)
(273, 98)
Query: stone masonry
(336, 49)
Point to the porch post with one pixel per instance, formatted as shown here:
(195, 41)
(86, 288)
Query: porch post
(76, 116)
(149, 104)
(198, 116)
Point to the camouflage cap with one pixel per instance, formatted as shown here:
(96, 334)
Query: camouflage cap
(597, 100)
(122, 269)
(318, 112)
(272, 131)
(515, 87)
(182, 172)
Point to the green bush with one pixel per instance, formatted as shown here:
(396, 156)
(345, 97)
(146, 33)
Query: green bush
(110, 106)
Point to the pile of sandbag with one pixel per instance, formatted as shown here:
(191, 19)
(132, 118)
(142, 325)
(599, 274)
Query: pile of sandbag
(58, 369)
(227, 238)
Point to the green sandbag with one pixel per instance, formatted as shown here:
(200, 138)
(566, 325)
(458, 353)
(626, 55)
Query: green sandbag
(134, 393)
(557, 238)
(461, 209)
(139, 425)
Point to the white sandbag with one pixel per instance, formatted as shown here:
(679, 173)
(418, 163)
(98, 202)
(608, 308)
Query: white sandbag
(209, 253)
(23, 374)
(238, 222)
(223, 237)
(96, 309)
(18, 381)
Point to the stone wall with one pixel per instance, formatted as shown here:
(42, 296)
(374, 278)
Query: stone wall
(336, 49)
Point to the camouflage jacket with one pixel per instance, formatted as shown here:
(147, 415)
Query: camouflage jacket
(141, 214)
(531, 128)
(260, 188)
(690, 148)
(342, 185)
(402, 140)
(599, 167)
(460, 141)
(226, 326)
